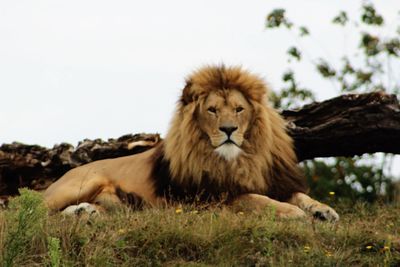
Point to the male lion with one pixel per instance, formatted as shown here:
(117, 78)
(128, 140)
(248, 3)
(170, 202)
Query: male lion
(225, 144)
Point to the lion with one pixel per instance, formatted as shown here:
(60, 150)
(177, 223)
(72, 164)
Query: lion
(225, 144)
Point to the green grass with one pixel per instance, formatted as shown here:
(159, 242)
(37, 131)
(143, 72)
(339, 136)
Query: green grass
(365, 236)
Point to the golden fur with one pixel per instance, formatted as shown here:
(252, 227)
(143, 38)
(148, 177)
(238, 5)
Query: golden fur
(224, 139)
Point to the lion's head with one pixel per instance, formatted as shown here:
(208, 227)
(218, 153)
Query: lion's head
(225, 134)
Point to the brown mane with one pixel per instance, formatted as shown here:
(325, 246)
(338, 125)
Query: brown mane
(186, 164)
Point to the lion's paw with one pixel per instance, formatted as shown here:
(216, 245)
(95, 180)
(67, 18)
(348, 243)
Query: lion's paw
(324, 212)
(290, 212)
(82, 208)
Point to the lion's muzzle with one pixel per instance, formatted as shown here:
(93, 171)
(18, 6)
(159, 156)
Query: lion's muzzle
(228, 150)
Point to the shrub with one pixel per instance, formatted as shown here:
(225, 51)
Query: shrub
(25, 220)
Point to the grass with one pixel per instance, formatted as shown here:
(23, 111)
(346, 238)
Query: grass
(367, 235)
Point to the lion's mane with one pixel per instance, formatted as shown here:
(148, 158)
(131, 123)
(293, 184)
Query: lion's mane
(186, 165)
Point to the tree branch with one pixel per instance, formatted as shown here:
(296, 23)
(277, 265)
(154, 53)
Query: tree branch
(347, 125)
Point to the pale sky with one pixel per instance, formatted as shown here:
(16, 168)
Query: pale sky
(71, 70)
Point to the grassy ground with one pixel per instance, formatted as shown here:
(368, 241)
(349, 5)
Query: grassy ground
(365, 236)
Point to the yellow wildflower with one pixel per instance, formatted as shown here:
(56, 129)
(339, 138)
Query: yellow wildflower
(331, 193)
(368, 247)
(178, 211)
(328, 254)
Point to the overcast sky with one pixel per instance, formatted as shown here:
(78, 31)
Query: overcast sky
(71, 70)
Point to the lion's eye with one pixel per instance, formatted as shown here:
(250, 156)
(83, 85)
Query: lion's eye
(239, 109)
(212, 110)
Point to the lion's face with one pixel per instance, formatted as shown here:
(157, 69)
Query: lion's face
(225, 117)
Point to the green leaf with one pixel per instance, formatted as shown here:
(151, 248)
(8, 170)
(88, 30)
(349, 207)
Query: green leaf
(392, 47)
(364, 76)
(295, 53)
(370, 44)
(287, 76)
(347, 67)
(369, 15)
(304, 31)
(325, 69)
(277, 18)
(341, 19)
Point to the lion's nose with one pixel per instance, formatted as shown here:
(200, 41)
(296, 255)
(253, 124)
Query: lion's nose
(228, 130)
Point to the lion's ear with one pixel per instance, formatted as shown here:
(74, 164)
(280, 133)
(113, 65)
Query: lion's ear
(187, 94)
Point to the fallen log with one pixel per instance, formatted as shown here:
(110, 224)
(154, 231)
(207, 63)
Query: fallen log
(37, 167)
(347, 125)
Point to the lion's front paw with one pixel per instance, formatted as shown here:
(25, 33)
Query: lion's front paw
(324, 212)
(290, 211)
(82, 208)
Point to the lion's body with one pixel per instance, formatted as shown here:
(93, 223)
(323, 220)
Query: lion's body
(98, 182)
(225, 141)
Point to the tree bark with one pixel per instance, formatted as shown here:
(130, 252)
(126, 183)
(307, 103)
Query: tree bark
(347, 125)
